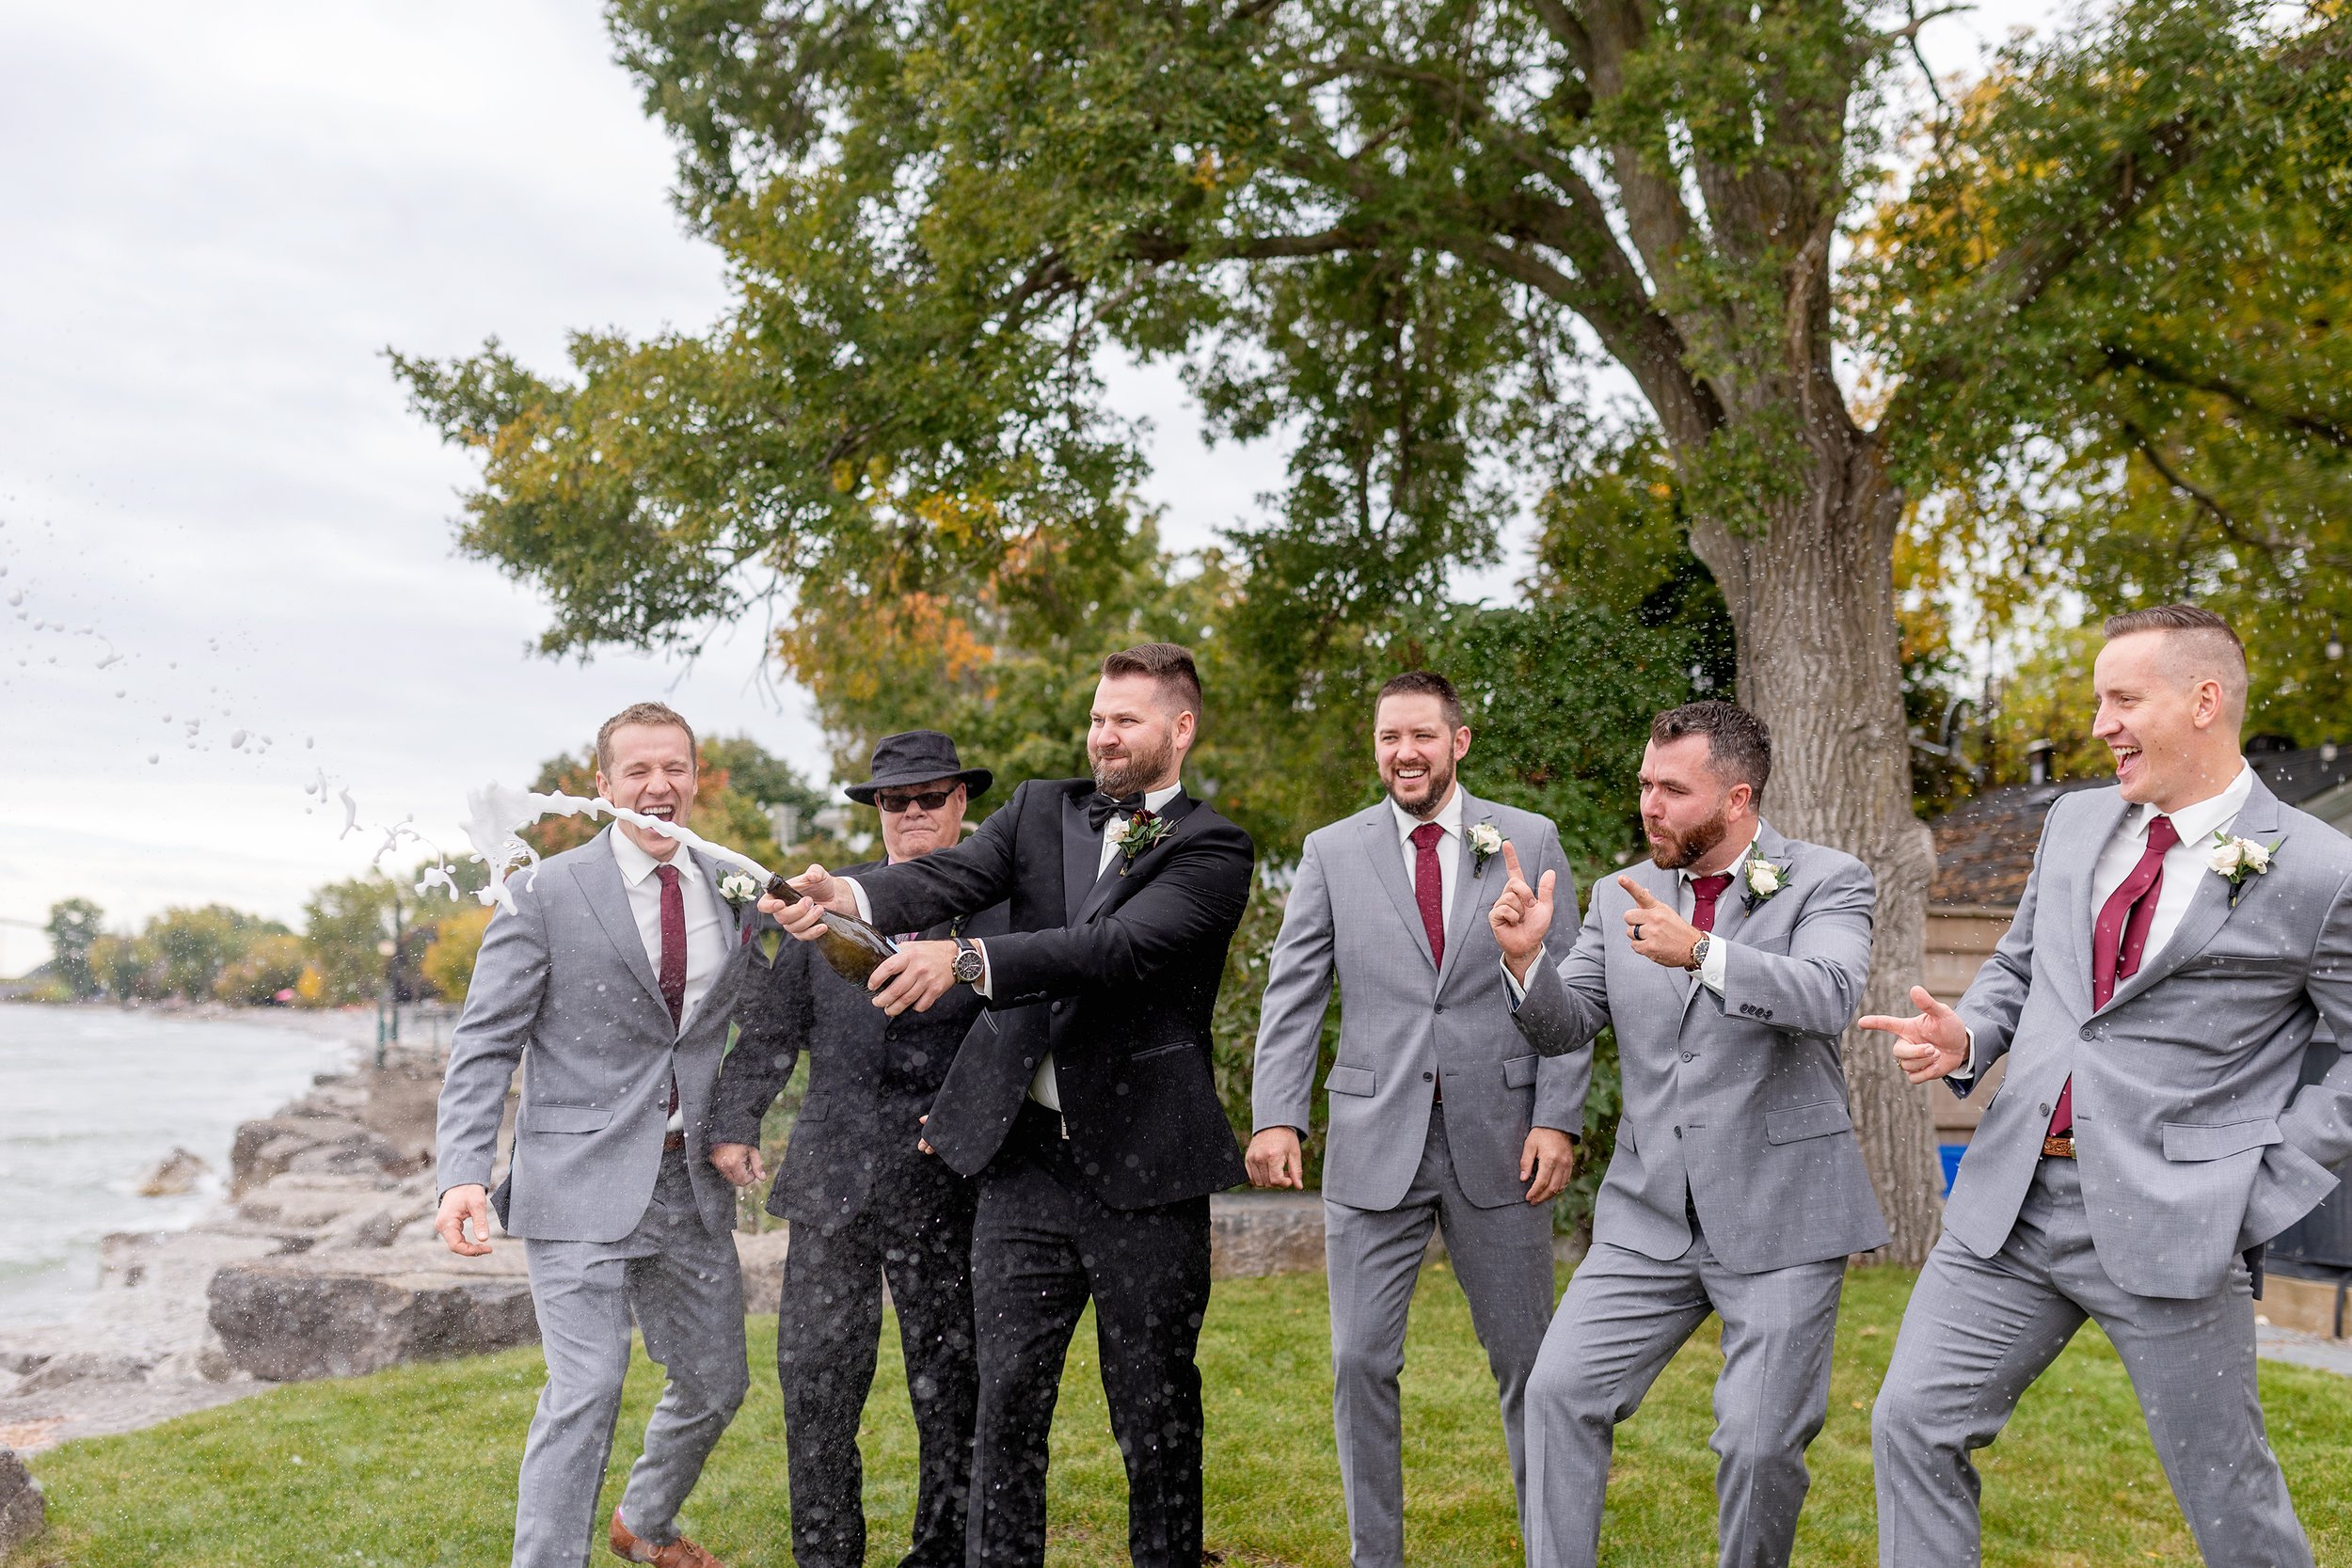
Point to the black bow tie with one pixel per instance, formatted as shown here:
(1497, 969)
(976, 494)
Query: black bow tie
(1101, 808)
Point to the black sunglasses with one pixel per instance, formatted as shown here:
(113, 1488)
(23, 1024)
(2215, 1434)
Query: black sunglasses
(895, 802)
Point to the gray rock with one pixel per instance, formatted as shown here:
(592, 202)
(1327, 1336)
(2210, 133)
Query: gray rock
(762, 1259)
(1254, 1234)
(339, 1313)
(56, 1372)
(22, 1514)
(178, 1173)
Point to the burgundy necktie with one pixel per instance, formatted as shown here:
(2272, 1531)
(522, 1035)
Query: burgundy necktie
(1704, 892)
(2120, 940)
(1429, 888)
(672, 973)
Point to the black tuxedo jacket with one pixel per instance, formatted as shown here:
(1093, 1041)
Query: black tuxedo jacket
(1115, 974)
(854, 1141)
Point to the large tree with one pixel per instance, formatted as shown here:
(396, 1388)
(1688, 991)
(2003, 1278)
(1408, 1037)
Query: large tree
(1402, 234)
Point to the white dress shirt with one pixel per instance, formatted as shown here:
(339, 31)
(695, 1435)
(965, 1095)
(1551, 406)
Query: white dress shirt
(1043, 1087)
(705, 932)
(2186, 864)
(1711, 967)
(1449, 850)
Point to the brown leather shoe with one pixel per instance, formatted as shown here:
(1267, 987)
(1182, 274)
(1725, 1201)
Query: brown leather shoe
(681, 1553)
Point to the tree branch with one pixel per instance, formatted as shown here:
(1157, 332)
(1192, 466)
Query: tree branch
(2170, 476)
(2120, 356)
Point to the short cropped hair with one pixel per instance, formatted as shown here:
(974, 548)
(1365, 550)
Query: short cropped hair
(1424, 683)
(1169, 665)
(1738, 746)
(2203, 642)
(639, 713)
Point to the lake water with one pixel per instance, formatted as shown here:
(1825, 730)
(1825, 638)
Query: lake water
(92, 1098)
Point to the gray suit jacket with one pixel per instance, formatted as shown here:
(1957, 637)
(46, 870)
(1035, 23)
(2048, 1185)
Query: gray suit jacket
(2194, 1142)
(1737, 1100)
(564, 987)
(1351, 914)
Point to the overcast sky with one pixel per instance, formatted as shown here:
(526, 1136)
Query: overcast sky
(216, 509)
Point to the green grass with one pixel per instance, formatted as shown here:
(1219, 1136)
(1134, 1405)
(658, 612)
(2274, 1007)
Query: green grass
(417, 1465)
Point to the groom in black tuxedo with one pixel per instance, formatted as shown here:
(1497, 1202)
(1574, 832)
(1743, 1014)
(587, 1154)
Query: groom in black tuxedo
(1083, 1098)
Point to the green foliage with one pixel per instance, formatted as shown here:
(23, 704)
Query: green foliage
(75, 925)
(346, 923)
(448, 965)
(191, 947)
(2073, 1479)
(2171, 416)
(269, 965)
(124, 968)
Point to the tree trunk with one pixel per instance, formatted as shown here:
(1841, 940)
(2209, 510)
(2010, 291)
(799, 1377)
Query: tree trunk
(1810, 588)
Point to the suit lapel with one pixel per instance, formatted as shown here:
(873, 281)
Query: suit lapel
(730, 918)
(1121, 873)
(1388, 864)
(1081, 849)
(599, 879)
(2209, 908)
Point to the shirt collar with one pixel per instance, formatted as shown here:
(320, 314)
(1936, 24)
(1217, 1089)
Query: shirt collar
(2200, 822)
(1449, 817)
(636, 865)
(1155, 801)
(1689, 875)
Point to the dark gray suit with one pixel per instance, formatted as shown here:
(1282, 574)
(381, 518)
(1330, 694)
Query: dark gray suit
(1737, 1188)
(1398, 1162)
(2196, 1143)
(612, 1224)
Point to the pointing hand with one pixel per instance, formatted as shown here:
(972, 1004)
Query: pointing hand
(1930, 1043)
(1520, 915)
(1657, 932)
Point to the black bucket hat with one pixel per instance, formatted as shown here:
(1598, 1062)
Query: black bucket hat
(914, 757)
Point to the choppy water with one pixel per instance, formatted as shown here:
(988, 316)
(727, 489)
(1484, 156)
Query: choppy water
(91, 1099)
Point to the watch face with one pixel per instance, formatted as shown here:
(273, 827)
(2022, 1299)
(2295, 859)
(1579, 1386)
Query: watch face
(967, 966)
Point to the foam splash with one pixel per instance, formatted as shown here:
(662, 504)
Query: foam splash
(497, 814)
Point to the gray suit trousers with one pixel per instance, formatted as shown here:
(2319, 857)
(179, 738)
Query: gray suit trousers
(683, 1286)
(1623, 1317)
(1502, 1256)
(1979, 1330)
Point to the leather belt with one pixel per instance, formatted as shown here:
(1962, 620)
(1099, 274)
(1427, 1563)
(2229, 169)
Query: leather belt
(673, 1143)
(2058, 1149)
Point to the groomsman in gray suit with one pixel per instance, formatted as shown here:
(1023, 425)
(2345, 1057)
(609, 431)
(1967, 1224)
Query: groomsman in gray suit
(1440, 1115)
(2180, 937)
(610, 984)
(1730, 964)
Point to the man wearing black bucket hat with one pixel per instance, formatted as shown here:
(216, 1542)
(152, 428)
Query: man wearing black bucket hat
(864, 1202)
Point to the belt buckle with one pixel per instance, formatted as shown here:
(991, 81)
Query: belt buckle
(2058, 1149)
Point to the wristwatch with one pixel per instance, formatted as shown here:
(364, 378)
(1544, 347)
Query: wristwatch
(968, 965)
(1698, 953)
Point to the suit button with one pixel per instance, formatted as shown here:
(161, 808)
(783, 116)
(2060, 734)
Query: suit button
(1428, 1077)
(1442, 1006)
(1061, 1006)
(1690, 1055)
(2087, 1031)
(2043, 1110)
(1678, 1132)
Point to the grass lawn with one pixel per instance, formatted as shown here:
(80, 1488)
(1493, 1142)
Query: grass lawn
(417, 1465)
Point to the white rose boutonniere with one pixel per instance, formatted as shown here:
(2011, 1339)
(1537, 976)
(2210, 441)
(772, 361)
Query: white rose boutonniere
(1759, 879)
(2237, 859)
(1485, 839)
(739, 888)
(1132, 835)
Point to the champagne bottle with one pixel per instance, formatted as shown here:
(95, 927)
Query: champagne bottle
(851, 946)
